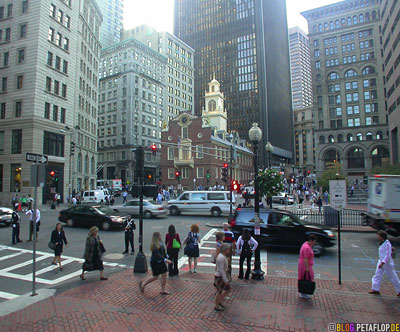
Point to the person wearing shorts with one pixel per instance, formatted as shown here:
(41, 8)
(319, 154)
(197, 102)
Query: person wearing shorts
(221, 281)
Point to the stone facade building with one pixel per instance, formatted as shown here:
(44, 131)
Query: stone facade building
(390, 33)
(198, 147)
(304, 139)
(131, 109)
(41, 51)
(350, 120)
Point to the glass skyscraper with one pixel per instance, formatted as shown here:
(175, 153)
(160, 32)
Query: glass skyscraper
(244, 43)
(113, 15)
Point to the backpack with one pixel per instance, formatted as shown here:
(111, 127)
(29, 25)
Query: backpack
(246, 250)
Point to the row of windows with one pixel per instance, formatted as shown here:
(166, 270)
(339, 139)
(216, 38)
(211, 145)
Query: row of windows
(16, 141)
(59, 64)
(54, 113)
(367, 83)
(58, 39)
(351, 122)
(350, 137)
(54, 86)
(60, 16)
(17, 110)
(19, 83)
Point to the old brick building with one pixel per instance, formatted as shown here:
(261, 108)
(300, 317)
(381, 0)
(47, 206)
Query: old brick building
(198, 147)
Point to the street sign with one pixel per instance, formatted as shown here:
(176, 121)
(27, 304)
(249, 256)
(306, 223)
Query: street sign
(37, 158)
(338, 193)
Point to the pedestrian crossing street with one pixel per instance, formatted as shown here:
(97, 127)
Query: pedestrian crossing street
(16, 270)
(207, 247)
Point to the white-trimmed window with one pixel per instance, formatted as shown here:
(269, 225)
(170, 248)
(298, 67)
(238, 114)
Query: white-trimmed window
(170, 154)
(171, 173)
(184, 132)
(200, 152)
(200, 172)
(185, 173)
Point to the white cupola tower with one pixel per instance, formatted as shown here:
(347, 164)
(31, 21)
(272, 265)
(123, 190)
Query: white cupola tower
(214, 114)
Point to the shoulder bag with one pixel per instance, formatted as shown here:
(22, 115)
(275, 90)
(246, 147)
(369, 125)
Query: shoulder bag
(176, 244)
(52, 245)
(306, 286)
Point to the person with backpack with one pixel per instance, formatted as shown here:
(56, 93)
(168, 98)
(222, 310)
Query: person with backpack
(173, 244)
(385, 265)
(192, 247)
(245, 246)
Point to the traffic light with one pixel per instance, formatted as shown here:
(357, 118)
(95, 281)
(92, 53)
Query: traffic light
(208, 174)
(224, 173)
(154, 148)
(56, 176)
(52, 173)
(72, 152)
(178, 175)
(291, 180)
(235, 185)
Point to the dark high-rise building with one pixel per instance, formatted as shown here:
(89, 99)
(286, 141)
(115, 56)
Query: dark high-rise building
(244, 43)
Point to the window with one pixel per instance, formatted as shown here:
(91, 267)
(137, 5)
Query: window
(67, 21)
(65, 67)
(50, 36)
(58, 62)
(21, 56)
(171, 173)
(4, 84)
(18, 109)
(64, 90)
(48, 84)
(22, 31)
(368, 70)
(333, 76)
(200, 172)
(53, 144)
(5, 59)
(50, 59)
(56, 87)
(47, 111)
(317, 64)
(52, 10)
(60, 16)
(184, 132)
(2, 110)
(9, 10)
(350, 73)
(55, 113)
(1, 144)
(16, 141)
(66, 44)
(200, 153)
(8, 34)
(171, 153)
(20, 81)
(62, 115)
(24, 6)
(355, 158)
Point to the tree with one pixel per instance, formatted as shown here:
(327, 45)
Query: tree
(270, 182)
(333, 171)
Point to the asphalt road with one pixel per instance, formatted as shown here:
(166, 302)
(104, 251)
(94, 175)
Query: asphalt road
(359, 253)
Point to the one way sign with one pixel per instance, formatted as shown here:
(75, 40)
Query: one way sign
(37, 158)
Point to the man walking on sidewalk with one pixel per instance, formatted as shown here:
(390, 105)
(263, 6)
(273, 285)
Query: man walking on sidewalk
(33, 222)
(385, 265)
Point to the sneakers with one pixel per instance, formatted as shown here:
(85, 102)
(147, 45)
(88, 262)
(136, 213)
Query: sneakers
(219, 308)
(125, 252)
(374, 292)
(305, 296)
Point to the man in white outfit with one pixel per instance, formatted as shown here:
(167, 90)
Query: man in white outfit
(385, 265)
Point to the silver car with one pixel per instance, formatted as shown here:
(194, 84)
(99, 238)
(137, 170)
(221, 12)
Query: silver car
(149, 209)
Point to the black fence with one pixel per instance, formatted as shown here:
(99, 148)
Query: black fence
(329, 217)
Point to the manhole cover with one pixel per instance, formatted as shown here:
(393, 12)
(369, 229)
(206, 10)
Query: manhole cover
(114, 256)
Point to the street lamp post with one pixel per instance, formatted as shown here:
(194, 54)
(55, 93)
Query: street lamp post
(269, 148)
(255, 136)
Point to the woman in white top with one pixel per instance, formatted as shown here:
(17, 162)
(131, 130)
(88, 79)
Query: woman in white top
(245, 246)
(385, 265)
(221, 279)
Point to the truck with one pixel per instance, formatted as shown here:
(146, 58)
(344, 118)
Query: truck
(384, 203)
(115, 185)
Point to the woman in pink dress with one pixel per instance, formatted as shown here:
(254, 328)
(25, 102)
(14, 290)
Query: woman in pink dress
(306, 261)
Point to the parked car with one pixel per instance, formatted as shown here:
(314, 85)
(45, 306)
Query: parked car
(5, 216)
(149, 209)
(203, 202)
(281, 229)
(88, 216)
(280, 198)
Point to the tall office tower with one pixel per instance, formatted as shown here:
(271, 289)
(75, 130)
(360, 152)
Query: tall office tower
(300, 68)
(350, 122)
(244, 45)
(113, 15)
(390, 33)
(40, 49)
(179, 78)
(131, 109)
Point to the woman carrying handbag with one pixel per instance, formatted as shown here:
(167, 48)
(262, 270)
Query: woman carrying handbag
(306, 283)
(173, 244)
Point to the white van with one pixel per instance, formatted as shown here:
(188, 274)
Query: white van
(214, 202)
(95, 196)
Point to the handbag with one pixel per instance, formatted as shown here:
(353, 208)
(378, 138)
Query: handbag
(306, 286)
(189, 248)
(86, 266)
(102, 249)
(176, 244)
(52, 245)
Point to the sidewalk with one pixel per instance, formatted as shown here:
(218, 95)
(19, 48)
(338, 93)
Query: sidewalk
(269, 305)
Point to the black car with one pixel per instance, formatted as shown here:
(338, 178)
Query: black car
(87, 216)
(5, 216)
(281, 229)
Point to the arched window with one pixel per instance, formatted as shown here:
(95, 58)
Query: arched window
(373, 15)
(79, 163)
(326, 26)
(331, 25)
(379, 135)
(368, 70)
(378, 154)
(355, 19)
(361, 18)
(331, 139)
(349, 138)
(368, 136)
(86, 164)
(367, 17)
(359, 137)
(343, 21)
(92, 166)
(320, 27)
(314, 28)
(212, 105)
(322, 140)
(337, 24)
(355, 158)
(333, 76)
(350, 73)
(349, 21)
(330, 157)
(340, 138)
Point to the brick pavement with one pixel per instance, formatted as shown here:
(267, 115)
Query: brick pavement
(269, 305)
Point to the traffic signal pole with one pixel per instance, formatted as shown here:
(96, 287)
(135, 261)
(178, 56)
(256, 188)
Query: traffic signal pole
(231, 184)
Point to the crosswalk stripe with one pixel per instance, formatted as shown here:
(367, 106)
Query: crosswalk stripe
(17, 266)
(8, 296)
(10, 256)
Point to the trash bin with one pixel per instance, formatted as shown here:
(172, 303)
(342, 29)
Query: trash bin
(330, 216)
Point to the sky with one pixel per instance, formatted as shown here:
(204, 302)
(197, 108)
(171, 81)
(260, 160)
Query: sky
(159, 14)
